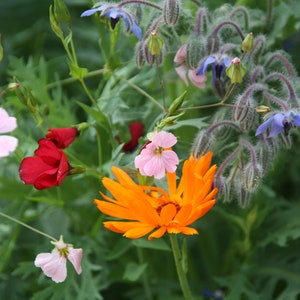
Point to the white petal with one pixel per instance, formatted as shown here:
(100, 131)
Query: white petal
(7, 123)
(75, 256)
(7, 144)
(53, 265)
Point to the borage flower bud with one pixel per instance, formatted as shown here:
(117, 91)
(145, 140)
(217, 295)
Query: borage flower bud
(244, 196)
(171, 11)
(251, 177)
(247, 43)
(262, 109)
(202, 143)
(236, 71)
(195, 51)
(140, 54)
(243, 113)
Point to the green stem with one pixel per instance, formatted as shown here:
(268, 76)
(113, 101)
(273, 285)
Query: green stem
(27, 226)
(180, 272)
(134, 86)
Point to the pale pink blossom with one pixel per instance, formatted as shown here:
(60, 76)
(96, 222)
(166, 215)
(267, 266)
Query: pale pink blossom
(157, 156)
(185, 73)
(54, 264)
(7, 124)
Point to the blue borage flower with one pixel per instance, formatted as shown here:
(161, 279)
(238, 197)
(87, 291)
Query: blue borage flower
(219, 64)
(115, 13)
(280, 122)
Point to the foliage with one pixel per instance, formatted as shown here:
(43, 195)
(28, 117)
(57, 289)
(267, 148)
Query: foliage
(87, 74)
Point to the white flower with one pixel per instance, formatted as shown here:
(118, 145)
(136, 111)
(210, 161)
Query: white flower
(54, 264)
(7, 124)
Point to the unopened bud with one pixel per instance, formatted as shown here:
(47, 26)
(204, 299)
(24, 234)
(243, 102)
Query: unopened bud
(251, 177)
(155, 43)
(213, 44)
(247, 43)
(244, 197)
(202, 143)
(175, 105)
(13, 86)
(171, 11)
(243, 113)
(262, 109)
(77, 170)
(140, 54)
(195, 51)
(236, 71)
(61, 11)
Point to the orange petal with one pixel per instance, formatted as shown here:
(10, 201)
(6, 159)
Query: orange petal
(158, 233)
(167, 213)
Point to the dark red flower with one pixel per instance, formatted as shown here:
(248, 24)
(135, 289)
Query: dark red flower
(62, 137)
(48, 168)
(136, 131)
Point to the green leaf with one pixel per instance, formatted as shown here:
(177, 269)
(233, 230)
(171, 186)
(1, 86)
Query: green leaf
(134, 271)
(155, 244)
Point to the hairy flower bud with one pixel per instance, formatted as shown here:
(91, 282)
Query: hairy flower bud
(247, 43)
(251, 177)
(202, 143)
(244, 197)
(171, 11)
(195, 51)
(243, 113)
(140, 54)
(213, 44)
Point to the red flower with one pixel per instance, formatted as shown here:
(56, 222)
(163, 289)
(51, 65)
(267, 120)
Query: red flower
(48, 168)
(62, 137)
(136, 131)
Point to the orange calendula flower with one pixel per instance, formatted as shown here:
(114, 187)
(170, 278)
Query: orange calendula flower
(151, 209)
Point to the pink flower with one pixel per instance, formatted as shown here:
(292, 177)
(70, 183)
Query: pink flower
(157, 156)
(54, 264)
(185, 73)
(7, 124)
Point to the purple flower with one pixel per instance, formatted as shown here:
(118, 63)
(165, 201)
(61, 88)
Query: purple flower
(219, 64)
(115, 13)
(279, 122)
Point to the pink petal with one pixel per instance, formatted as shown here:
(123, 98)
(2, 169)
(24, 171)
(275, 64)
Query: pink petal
(7, 144)
(164, 139)
(180, 56)
(7, 123)
(182, 73)
(170, 160)
(53, 265)
(75, 256)
(154, 167)
(197, 80)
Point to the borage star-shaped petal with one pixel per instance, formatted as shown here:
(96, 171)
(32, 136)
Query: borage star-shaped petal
(279, 122)
(115, 13)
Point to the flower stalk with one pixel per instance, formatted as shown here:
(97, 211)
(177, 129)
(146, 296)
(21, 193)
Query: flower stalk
(179, 268)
